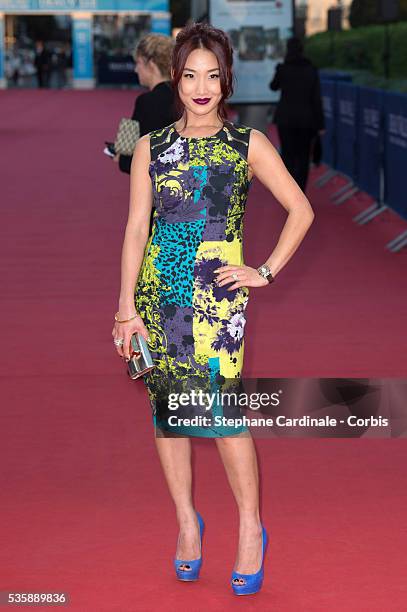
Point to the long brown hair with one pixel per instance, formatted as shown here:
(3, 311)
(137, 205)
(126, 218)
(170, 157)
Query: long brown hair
(203, 36)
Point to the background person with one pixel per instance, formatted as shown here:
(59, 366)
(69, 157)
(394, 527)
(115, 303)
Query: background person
(299, 114)
(154, 109)
(61, 65)
(16, 65)
(42, 64)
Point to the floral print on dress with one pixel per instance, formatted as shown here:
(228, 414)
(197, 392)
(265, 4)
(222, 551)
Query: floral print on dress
(196, 327)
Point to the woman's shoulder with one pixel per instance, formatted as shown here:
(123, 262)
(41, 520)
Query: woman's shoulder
(238, 132)
(247, 138)
(142, 145)
(238, 128)
(237, 135)
(160, 139)
(161, 133)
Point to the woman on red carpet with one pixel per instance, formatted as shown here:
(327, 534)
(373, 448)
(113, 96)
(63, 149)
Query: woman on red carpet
(185, 289)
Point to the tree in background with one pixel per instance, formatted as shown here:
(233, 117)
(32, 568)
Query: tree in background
(365, 12)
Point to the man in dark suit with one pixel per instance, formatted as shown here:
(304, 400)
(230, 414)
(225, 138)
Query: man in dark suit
(299, 114)
(42, 64)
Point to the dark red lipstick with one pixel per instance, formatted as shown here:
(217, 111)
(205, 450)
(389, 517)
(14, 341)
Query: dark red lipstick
(201, 100)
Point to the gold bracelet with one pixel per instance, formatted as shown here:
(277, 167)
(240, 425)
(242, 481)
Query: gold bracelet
(116, 318)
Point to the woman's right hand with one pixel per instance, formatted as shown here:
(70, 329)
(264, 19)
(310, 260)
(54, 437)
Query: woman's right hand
(125, 331)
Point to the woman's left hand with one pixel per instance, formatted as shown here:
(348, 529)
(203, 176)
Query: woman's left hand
(246, 277)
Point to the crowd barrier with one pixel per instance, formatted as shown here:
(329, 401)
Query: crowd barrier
(366, 142)
(335, 75)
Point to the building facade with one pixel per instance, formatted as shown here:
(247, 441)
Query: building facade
(315, 13)
(83, 14)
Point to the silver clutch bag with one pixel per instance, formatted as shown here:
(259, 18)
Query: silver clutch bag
(140, 361)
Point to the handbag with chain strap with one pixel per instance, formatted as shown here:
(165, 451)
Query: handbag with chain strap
(127, 136)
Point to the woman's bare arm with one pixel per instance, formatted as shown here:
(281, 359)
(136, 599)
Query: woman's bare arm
(134, 244)
(137, 228)
(266, 164)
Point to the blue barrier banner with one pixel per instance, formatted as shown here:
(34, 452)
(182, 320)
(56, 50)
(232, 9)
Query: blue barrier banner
(335, 75)
(370, 141)
(346, 133)
(395, 165)
(82, 48)
(329, 105)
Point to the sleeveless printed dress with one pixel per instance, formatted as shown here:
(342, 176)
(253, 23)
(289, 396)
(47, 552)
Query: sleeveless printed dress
(196, 328)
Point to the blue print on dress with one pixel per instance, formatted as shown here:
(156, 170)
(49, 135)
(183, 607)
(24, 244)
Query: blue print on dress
(201, 174)
(175, 262)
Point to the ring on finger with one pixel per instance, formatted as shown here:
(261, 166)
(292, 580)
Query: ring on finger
(119, 341)
(235, 276)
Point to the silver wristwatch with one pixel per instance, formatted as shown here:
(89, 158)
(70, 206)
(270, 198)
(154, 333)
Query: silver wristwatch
(265, 272)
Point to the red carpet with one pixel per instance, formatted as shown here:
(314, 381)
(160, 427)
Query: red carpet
(85, 508)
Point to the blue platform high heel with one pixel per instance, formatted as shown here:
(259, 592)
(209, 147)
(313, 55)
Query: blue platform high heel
(252, 582)
(194, 565)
